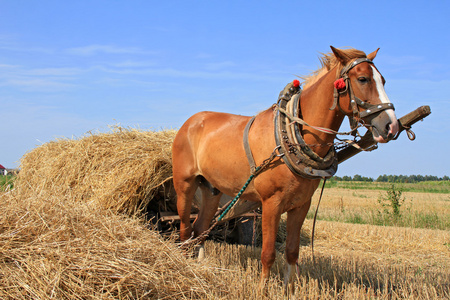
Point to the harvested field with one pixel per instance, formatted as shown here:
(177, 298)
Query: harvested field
(64, 235)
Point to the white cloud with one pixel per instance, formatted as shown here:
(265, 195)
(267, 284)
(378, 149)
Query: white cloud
(133, 64)
(109, 49)
(45, 79)
(53, 71)
(38, 84)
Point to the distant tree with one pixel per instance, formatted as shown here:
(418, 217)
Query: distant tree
(346, 178)
(393, 178)
(336, 178)
(367, 179)
(382, 178)
(402, 178)
(357, 177)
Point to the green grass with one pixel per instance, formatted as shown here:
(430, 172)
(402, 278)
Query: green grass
(6, 182)
(377, 217)
(420, 187)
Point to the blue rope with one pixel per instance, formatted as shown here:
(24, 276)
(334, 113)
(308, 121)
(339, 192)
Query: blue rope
(238, 195)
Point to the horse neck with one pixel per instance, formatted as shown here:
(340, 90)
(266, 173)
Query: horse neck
(315, 107)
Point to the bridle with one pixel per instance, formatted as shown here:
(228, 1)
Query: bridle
(356, 103)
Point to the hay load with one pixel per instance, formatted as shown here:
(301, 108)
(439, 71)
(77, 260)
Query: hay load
(121, 170)
(62, 238)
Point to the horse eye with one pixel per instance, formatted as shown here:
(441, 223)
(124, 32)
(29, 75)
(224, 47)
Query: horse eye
(362, 79)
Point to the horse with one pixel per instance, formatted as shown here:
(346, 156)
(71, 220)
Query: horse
(208, 151)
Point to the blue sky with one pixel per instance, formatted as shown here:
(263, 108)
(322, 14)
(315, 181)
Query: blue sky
(69, 67)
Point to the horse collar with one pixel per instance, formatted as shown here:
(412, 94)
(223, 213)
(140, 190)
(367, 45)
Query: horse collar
(297, 155)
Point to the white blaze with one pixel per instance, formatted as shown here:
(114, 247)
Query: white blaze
(382, 94)
(384, 99)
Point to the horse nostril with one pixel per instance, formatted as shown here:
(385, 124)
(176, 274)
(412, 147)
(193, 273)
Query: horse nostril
(388, 127)
(390, 134)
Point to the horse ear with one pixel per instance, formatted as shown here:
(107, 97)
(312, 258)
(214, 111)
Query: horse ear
(340, 55)
(372, 55)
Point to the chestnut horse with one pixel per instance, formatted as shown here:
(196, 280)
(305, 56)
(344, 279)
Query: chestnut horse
(208, 152)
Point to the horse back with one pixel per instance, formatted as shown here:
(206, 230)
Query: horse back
(210, 144)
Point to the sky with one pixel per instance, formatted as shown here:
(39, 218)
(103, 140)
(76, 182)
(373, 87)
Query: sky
(72, 67)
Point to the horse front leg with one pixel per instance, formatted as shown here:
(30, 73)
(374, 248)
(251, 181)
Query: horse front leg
(270, 221)
(295, 219)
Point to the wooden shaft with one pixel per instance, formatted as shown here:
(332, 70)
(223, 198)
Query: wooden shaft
(366, 141)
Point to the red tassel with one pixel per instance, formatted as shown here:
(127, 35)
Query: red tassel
(296, 83)
(339, 84)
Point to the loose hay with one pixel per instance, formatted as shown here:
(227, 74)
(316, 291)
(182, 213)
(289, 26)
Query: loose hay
(121, 170)
(62, 249)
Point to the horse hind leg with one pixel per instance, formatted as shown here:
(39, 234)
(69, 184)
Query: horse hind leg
(185, 190)
(208, 208)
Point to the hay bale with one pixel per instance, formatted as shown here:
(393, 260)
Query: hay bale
(121, 170)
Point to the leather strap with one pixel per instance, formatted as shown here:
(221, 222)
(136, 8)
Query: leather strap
(248, 151)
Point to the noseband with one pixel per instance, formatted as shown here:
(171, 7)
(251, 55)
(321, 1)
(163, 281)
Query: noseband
(355, 102)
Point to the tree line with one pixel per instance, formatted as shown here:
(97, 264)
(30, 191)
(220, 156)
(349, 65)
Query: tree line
(392, 178)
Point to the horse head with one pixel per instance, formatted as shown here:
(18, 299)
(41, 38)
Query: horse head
(362, 85)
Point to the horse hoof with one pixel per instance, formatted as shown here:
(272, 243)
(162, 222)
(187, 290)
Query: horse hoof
(201, 253)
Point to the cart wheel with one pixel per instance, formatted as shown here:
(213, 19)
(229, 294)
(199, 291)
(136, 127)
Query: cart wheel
(245, 231)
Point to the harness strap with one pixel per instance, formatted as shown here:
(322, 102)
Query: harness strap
(248, 151)
(300, 121)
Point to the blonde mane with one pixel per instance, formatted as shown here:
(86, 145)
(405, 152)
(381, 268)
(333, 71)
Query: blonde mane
(328, 61)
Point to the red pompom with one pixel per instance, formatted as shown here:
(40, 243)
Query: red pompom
(296, 83)
(339, 84)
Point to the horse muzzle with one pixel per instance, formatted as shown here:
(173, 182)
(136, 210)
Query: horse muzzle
(384, 126)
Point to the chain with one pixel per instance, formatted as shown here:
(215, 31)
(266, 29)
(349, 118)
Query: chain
(339, 144)
(268, 160)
